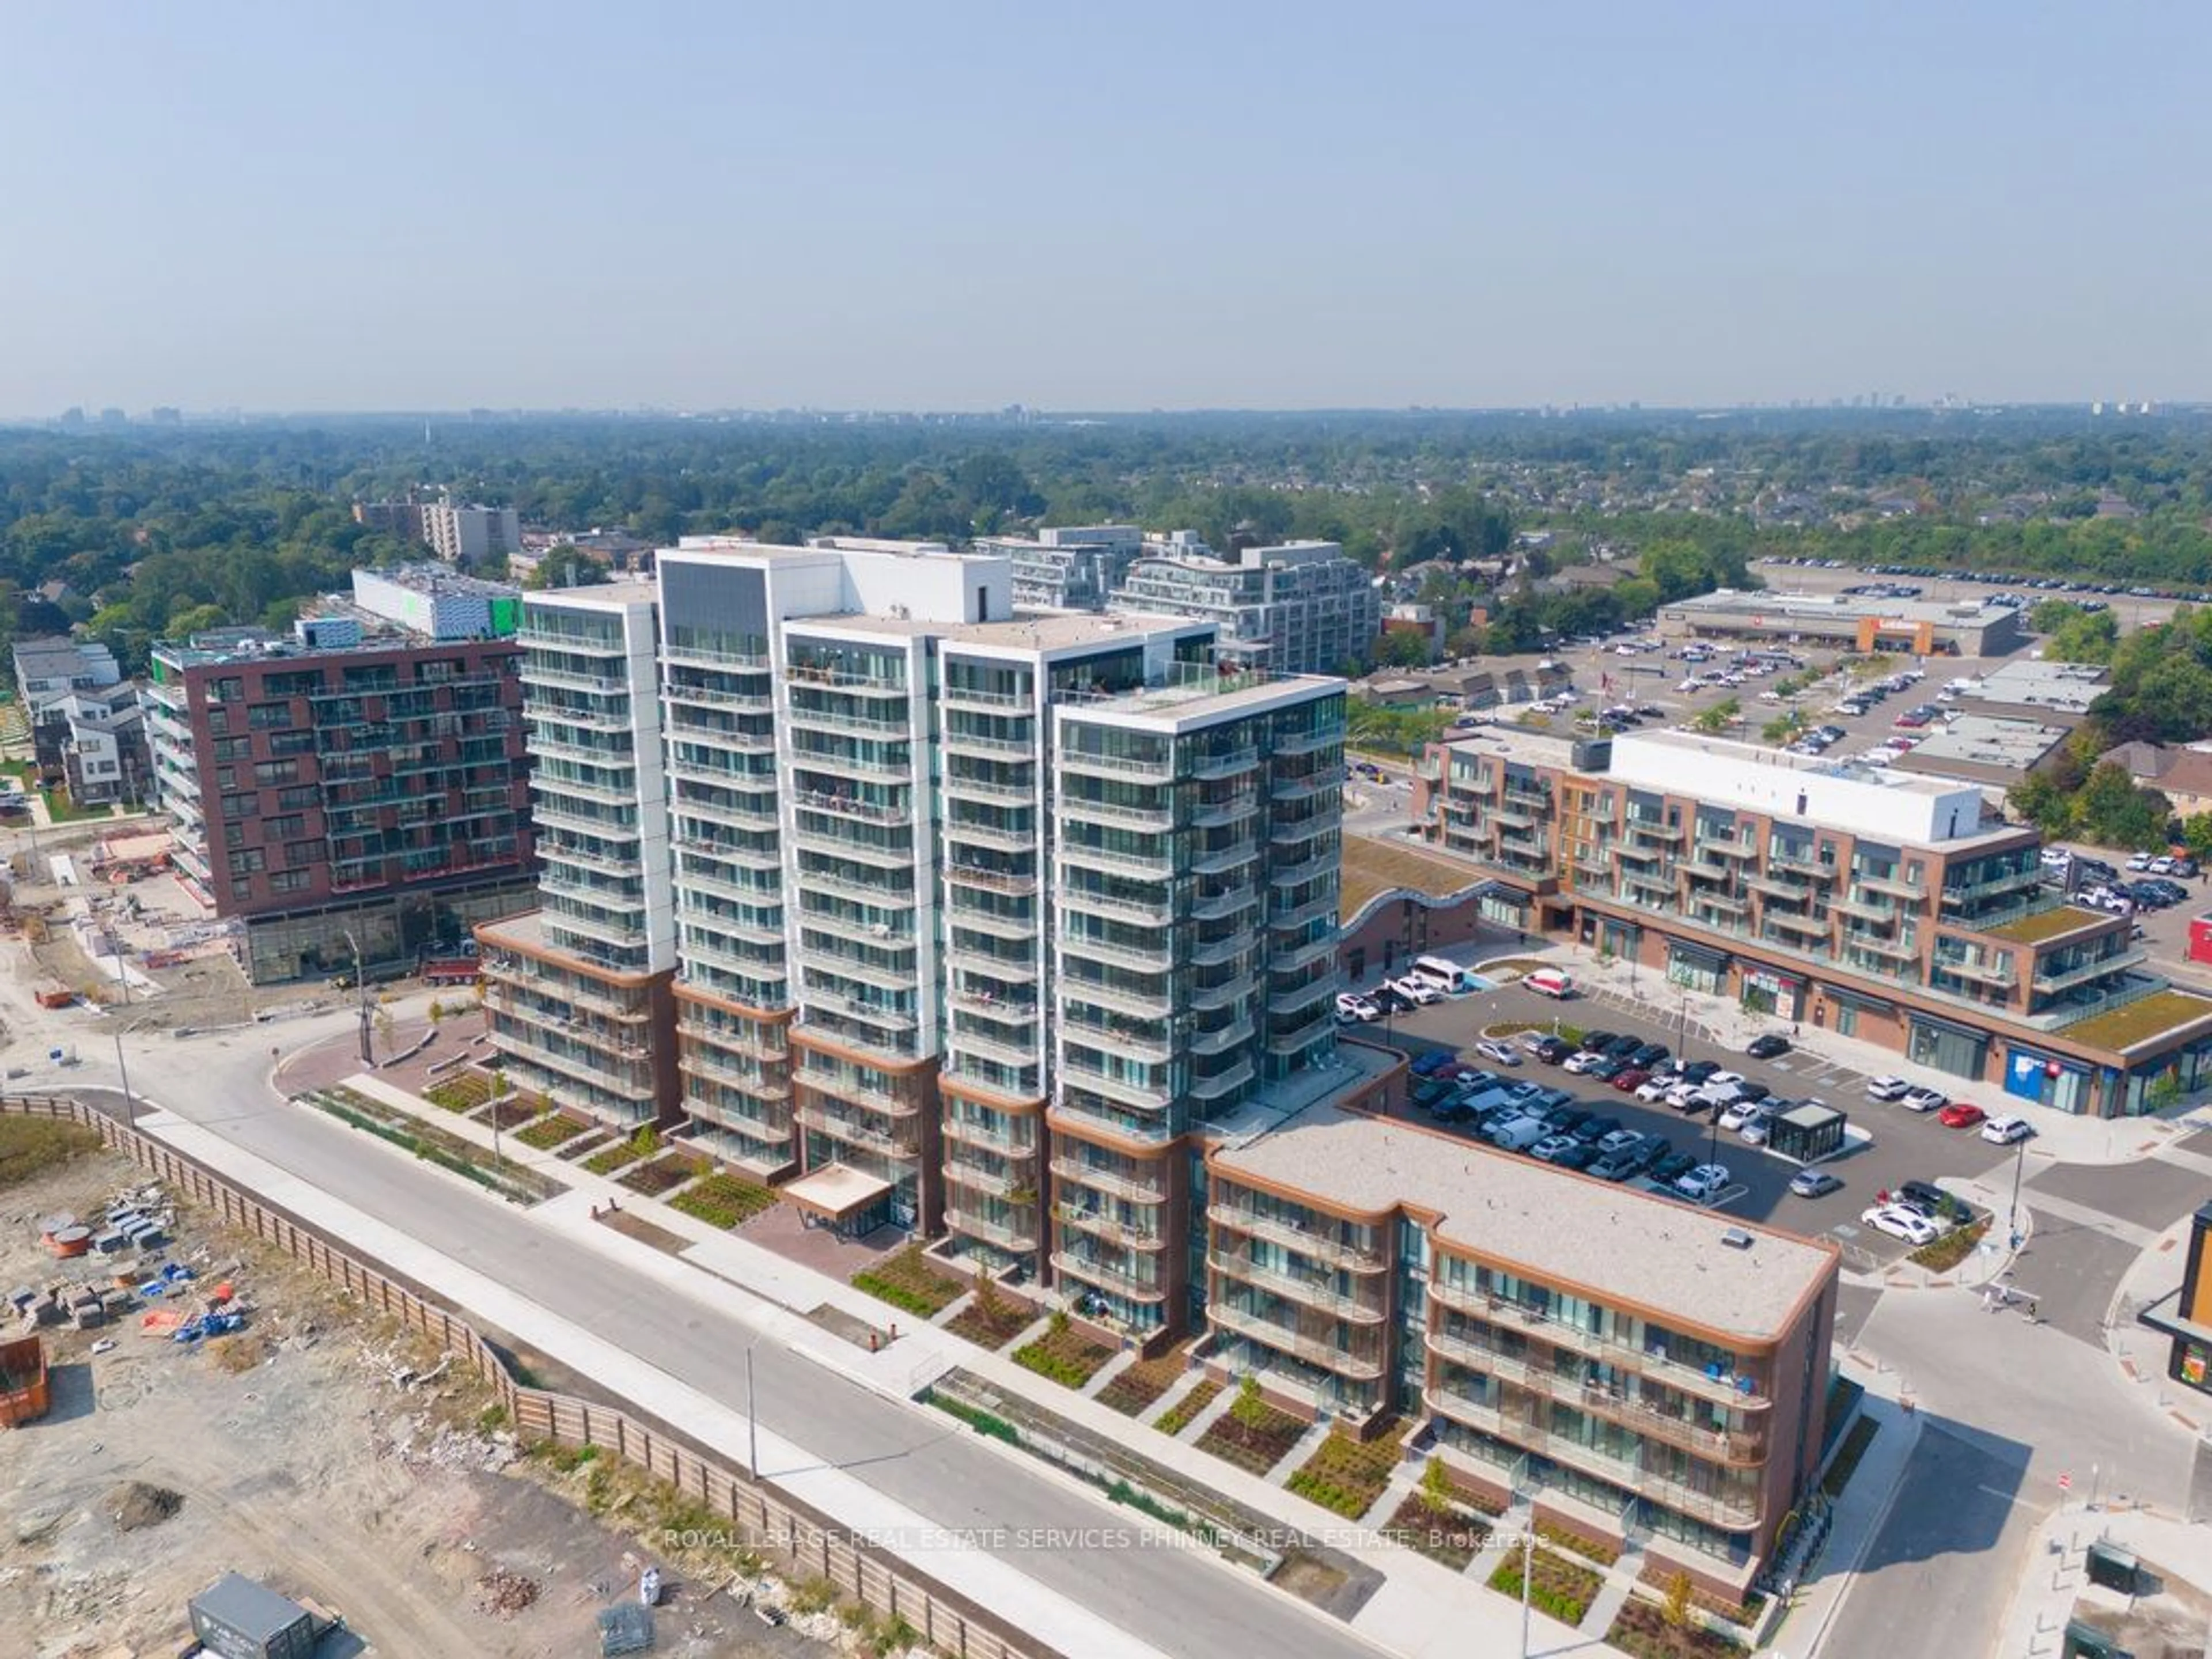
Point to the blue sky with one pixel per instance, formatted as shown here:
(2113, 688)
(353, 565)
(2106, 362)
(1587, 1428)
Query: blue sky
(1129, 206)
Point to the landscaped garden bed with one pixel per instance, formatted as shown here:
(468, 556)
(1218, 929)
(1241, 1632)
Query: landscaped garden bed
(619, 1156)
(1445, 1536)
(462, 1092)
(1954, 1247)
(592, 1140)
(992, 1319)
(1252, 1434)
(1590, 1549)
(1661, 1577)
(1179, 1415)
(408, 1132)
(1846, 1460)
(1346, 1474)
(553, 1129)
(1643, 1629)
(511, 1114)
(1134, 1388)
(1562, 1588)
(907, 1280)
(722, 1199)
(1063, 1354)
(662, 1174)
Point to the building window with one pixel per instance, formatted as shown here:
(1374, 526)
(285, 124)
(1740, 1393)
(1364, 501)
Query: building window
(268, 716)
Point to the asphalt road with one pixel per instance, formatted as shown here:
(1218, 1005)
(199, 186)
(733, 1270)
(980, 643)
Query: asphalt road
(1179, 1603)
(1905, 1146)
(1958, 1505)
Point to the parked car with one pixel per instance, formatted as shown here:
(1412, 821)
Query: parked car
(1651, 1056)
(1924, 1100)
(1814, 1183)
(1580, 1156)
(1594, 1129)
(1434, 1061)
(1929, 1199)
(2005, 1131)
(1737, 1113)
(1689, 1099)
(2139, 862)
(1757, 1126)
(1671, 1167)
(1767, 1047)
(1416, 990)
(1551, 1050)
(1547, 1150)
(1595, 1042)
(1654, 1090)
(1900, 1222)
(1747, 1090)
(1630, 1078)
(1703, 1182)
(1584, 1060)
(1614, 1140)
(1619, 1164)
(1504, 1053)
(1354, 1009)
(1390, 1002)
(1700, 1071)
(1961, 1115)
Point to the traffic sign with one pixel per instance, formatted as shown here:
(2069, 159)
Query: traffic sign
(2065, 1483)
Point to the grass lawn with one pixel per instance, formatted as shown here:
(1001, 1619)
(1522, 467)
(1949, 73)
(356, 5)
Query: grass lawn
(907, 1280)
(1065, 1355)
(608, 1159)
(1642, 1629)
(995, 1324)
(1132, 1392)
(553, 1129)
(32, 1146)
(722, 1199)
(1449, 1537)
(60, 811)
(2046, 924)
(1563, 1588)
(2140, 1020)
(663, 1175)
(1346, 1474)
(1373, 866)
(1177, 1417)
(1256, 1447)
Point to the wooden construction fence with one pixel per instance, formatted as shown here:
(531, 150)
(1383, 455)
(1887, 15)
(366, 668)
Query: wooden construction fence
(771, 1523)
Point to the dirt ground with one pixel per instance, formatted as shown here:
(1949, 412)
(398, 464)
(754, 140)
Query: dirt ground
(301, 1453)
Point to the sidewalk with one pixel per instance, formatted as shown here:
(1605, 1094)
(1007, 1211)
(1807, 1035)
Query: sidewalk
(2141, 1353)
(1424, 1610)
(2055, 1578)
(986, 1579)
(1854, 1522)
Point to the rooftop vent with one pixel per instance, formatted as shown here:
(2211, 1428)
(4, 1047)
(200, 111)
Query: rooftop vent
(1736, 1239)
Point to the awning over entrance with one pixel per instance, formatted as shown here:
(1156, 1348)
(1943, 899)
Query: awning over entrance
(1972, 1033)
(1703, 955)
(835, 1193)
(1858, 999)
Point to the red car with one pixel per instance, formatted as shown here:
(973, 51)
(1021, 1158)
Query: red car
(1960, 1114)
(1634, 1077)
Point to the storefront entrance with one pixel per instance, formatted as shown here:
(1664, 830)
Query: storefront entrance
(1766, 992)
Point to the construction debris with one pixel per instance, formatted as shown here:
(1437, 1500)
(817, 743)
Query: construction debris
(503, 1594)
(136, 1504)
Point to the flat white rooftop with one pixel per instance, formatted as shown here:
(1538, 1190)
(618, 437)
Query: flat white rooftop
(2063, 688)
(1843, 607)
(1562, 1229)
(1203, 698)
(1042, 630)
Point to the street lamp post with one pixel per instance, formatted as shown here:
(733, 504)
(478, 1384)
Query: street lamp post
(752, 1417)
(1527, 1572)
(360, 985)
(129, 1109)
(2012, 1217)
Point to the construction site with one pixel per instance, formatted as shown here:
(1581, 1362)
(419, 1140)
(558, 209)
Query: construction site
(204, 1407)
(103, 920)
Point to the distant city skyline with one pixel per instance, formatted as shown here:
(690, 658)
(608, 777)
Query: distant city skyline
(697, 207)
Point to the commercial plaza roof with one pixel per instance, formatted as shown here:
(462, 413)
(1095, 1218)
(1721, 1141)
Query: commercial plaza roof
(1838, 607)
(1562, 1229)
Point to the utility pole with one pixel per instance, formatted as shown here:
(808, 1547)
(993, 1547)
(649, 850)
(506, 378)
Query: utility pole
(1527, 1572)
(123, 977)
(752, 1417)
(361, 985)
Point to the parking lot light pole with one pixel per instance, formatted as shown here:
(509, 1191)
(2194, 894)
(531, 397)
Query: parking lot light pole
(2012, 1217)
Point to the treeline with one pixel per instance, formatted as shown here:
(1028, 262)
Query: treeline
(2160, 692)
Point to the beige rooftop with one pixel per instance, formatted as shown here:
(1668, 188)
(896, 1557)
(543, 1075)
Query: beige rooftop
(1620, 1244)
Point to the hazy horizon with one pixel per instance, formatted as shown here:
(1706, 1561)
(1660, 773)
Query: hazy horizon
(684, 206)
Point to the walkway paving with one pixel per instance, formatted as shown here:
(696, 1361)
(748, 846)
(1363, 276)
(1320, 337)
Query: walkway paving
(1854, 1522)
(2047, 1594)
(1423, 1609)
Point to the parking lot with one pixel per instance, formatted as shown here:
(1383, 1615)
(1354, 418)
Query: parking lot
(1905, 1145)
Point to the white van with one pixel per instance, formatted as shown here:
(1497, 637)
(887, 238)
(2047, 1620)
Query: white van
(1444, 976)
(1521, 1135)
(1551, 982)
